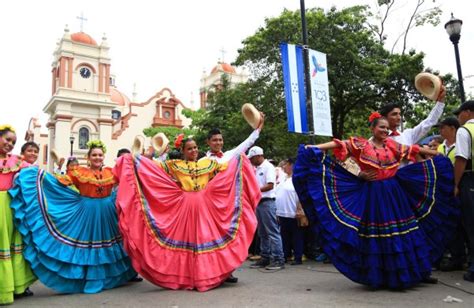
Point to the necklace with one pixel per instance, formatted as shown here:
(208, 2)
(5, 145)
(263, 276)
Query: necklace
(193, 172)
(100, 188)
(377, 154)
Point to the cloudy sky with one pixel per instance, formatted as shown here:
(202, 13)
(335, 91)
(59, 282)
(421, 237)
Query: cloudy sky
(158, 44)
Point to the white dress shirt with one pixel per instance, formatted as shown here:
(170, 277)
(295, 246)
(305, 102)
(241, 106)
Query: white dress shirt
(411, 136)
(241, 148)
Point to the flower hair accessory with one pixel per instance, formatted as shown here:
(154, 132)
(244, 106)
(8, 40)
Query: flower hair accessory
(97, 144)
(178, 141)
(7, 127)
(374, 115)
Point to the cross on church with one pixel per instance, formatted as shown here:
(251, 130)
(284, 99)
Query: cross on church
(82, 19)
(223, 51)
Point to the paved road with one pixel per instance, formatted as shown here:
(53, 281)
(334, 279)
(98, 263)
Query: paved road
(308, 285)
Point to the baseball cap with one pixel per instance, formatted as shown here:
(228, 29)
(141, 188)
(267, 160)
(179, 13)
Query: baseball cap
(254, 151)
(469, 105)
(450, 121)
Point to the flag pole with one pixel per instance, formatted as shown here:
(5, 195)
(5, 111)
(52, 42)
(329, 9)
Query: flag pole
(306, 70)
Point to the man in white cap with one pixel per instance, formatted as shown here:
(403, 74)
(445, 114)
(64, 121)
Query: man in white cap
(271, 248)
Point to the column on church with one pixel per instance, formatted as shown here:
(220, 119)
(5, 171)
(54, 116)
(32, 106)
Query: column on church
(60, 141)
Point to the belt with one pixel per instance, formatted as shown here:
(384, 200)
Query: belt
(267, 199)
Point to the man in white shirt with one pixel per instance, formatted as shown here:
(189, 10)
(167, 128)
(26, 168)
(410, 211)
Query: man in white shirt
(464, 175)
(411, 136)
(271, 249)
(215, 141)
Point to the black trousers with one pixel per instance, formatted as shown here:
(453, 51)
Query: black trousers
(466, 194)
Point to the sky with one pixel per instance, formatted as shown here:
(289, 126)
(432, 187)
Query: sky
(157, 44)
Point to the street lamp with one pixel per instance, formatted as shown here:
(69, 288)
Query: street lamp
(453, 27)
(71, 140)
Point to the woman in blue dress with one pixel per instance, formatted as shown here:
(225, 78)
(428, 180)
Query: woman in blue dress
(385, 232)
(71, 238)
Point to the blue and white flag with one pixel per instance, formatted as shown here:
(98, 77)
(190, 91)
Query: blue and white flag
(293, 77)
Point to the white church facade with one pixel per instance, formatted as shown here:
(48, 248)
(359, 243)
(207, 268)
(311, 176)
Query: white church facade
(85, 104)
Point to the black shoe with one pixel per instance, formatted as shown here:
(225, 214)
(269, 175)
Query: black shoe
(469, 276)
(136, 279)
(232, 279)
(276, 265)
(27, 293)
(430, 280)
(260, 263)
(451, 266)
(296, 262)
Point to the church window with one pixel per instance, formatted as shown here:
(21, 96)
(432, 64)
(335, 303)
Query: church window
(83, 138)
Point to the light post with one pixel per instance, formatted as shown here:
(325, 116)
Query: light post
(71, 140)
(453, 28)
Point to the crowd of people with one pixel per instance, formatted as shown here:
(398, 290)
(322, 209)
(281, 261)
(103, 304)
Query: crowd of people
(185, 220)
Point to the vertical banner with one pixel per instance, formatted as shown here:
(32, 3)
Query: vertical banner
(293, 77)
(320, 93)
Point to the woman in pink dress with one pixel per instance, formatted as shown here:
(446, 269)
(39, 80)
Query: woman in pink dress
(186, 223)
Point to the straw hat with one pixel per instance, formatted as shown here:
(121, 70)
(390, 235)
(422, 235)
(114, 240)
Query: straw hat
(138, 145)
(54, 155)
(251, 115)
(429, 85)
(159, 143)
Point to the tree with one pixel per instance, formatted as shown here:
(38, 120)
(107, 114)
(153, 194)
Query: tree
(362, 74)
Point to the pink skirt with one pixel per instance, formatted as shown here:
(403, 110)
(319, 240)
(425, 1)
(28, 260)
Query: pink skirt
(186, 240)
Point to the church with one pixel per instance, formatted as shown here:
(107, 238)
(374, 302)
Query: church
(86, 105)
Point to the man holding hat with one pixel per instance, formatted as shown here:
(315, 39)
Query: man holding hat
(271, 247)
(464, 175)
(215, 141)
(410, 136)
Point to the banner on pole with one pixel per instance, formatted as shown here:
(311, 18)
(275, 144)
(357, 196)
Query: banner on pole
(293, 77)
(320, 93)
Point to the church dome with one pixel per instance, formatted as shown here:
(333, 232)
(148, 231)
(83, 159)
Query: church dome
(83, 38)
(118, 97)
(223, 67)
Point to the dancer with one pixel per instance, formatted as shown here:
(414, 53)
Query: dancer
(15, 272)
(215, 141)
(381, 233)
(72, 239)
(187, 223)
(410, 136)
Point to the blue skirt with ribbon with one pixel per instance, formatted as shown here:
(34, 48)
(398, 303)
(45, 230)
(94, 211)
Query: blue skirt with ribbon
(72, 242)
(384, 233)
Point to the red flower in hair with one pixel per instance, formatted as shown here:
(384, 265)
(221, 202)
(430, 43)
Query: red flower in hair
(374, 115)
(178, 141)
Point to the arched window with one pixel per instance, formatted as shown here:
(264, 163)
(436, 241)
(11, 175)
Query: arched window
(83, 138)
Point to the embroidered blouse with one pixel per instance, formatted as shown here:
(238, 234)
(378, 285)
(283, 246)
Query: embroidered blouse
(385, 160)
(192, 175)
(90, 183)
(9, 166)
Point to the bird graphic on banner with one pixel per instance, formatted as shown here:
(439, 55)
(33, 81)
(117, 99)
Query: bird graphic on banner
(317, 66)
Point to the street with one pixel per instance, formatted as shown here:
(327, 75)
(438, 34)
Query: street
(309, 285)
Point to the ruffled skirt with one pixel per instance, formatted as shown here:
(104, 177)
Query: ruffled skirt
(382, 233)
(15, 272)
(186, 240)
(72, 242)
